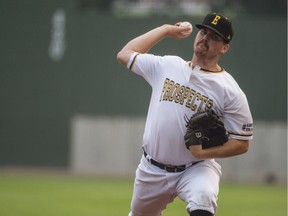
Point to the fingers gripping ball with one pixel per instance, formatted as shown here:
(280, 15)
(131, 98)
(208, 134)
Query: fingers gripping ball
(188, 32)
(205, 128)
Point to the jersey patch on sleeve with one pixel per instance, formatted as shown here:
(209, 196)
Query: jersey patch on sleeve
(247, 131)
(247, 127)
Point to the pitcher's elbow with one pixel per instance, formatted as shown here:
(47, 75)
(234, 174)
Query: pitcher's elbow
(122, 57)
(119, 56)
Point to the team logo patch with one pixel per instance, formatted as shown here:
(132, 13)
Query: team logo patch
(247, 127)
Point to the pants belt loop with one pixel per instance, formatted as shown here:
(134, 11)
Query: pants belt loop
(146, 155)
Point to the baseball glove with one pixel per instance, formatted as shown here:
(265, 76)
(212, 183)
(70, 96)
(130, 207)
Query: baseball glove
(204, 128)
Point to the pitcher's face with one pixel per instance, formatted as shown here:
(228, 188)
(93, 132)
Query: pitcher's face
(208, 43)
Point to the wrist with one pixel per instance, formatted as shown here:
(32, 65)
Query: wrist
(196, 151)
(167, 30)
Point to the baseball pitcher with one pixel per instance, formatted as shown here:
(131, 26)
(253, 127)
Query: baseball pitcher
(197, 113)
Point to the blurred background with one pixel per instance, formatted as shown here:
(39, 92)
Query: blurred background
(66, 103)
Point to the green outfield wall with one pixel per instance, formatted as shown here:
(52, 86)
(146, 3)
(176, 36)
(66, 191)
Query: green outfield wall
(59, 61)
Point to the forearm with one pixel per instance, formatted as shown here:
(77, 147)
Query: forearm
(143, 43)
(231, 148)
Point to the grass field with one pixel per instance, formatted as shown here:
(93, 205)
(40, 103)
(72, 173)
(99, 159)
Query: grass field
(56, 195)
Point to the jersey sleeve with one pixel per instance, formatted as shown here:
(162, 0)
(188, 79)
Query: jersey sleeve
(238, 119)
(145, 65)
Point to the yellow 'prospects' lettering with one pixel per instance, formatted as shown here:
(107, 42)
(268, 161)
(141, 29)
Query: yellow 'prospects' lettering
(184, 95)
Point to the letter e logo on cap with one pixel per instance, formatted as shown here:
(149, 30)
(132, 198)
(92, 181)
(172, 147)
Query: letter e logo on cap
(216, 19)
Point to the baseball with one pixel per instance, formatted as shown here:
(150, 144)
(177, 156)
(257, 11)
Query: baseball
(188, 32)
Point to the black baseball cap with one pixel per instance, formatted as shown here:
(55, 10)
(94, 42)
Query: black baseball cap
(219, 24)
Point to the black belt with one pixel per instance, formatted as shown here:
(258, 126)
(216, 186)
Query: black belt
(169, 168)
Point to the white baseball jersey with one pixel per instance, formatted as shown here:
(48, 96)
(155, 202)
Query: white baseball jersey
(179, 90)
